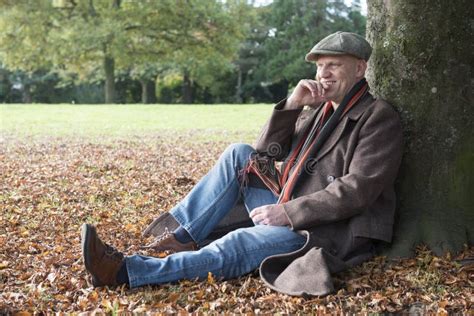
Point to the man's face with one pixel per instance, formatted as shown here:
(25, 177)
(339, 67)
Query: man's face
(338, 74)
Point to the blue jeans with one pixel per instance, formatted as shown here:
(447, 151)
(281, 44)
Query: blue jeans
(235, 254)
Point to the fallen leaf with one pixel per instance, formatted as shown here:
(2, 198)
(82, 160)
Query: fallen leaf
(210, 278)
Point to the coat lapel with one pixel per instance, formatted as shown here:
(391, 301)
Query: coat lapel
(353, 115)
(315, 114)
(333, 139)
(309, 120)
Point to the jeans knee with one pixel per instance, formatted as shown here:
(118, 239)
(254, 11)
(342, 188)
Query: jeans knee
(239, 152)
(240, 147)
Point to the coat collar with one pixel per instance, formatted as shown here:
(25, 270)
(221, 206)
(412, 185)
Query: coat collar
(353, 114)
(360, 108)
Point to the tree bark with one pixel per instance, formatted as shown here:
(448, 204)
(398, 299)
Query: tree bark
(109, 67)
(26, 93)
(187, 90)
(421, 63)
(238, 87)
(116, 4)
(148, 91)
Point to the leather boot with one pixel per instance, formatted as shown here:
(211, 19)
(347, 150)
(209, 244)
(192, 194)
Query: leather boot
(168, 243)
(101, 260)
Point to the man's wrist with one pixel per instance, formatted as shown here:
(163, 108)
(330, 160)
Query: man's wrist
(291, 105)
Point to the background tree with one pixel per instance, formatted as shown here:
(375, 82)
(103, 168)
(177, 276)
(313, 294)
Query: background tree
(210, 42)
(146, 75)
(250, 56)
(5, 85)
(91, 37)
(156, 32)
(92, 40)
(24, 35)
(23, 42)
(65, 36)
(422, 63)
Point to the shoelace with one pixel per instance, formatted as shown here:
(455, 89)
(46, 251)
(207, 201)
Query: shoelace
(113, 252)
(160, 238)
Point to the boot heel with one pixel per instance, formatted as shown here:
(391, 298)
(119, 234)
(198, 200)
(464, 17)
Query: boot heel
(95, 282)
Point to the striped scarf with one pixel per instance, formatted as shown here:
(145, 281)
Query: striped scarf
(282, 184)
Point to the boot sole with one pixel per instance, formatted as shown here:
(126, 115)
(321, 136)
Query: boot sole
(85, 236)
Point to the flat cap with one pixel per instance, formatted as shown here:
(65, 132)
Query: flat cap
(340, 43)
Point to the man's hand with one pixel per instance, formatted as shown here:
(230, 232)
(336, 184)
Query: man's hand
(272, 214)
(307, 92)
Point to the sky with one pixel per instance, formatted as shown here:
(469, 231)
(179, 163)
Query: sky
(363, 5)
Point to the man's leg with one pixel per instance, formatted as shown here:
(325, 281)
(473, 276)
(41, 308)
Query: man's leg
(237, 253)
(233, 255)
(214, 195)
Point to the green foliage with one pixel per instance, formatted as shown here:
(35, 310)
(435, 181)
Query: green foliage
(23, 35)
(222, 50)
(75, 38)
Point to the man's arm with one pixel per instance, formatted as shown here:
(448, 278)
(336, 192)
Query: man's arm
(275, 138)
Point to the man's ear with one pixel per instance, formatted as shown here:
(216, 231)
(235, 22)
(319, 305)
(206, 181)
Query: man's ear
(361, 67)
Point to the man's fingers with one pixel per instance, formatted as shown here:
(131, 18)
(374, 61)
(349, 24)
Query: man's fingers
(257, 219)
(321, 88)
(258, 215)
(254, 215)
(315, 87)
(307, 92)
(309, 84)
(254, 212)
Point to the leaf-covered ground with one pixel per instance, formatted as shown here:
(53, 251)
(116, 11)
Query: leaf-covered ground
(49, 188)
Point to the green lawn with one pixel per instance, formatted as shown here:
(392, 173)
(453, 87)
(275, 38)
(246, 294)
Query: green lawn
(216, 122)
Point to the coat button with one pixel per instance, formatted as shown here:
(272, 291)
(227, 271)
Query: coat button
(331, 178)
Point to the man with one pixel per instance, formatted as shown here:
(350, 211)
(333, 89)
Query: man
(318, 187)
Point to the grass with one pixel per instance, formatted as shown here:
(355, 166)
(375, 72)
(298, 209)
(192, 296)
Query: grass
(204, 122)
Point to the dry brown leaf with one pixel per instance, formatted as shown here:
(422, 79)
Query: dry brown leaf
(49, 189)
(210, 278)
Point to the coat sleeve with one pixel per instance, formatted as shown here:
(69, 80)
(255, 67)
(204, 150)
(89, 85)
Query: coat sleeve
(275, 139)
(373, 168)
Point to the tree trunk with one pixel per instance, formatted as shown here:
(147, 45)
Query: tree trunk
(148, 91)
(238, 88)
(109, 67)
(26, 94)
(421, 65)
(116, 4)
(187, 88)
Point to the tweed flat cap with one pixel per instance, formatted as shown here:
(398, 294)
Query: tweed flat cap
(341, 43)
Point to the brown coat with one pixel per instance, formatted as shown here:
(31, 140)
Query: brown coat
(343, 199)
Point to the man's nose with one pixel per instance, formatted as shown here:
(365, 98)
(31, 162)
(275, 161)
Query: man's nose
(323, 72)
